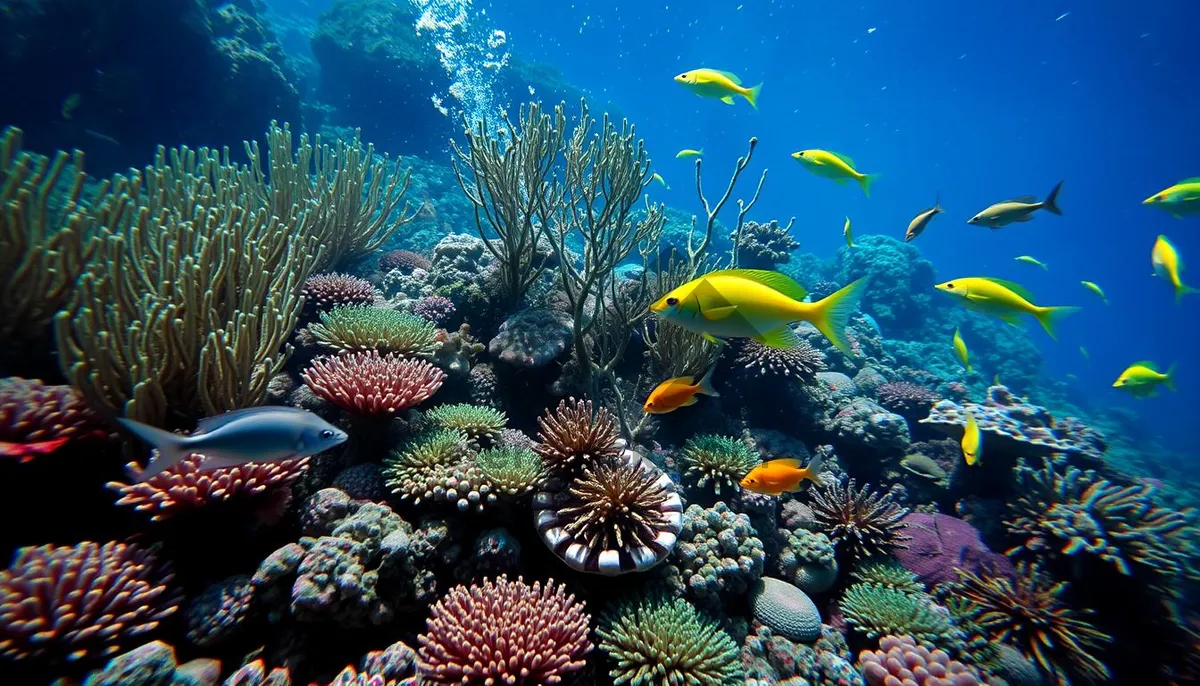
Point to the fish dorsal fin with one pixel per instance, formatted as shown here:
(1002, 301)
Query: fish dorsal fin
(774, 280)
(210, 424)
(840, 156)
(788, 462)
(1148, 364)
(729, 75)
(1194, 179)
(1014, 287)
(1027, 199)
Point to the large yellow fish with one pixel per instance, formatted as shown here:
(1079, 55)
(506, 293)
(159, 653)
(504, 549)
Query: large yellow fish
(722, 85)
(1016, 210)
(1169, 265)
(960, 351)
(1142, 379)
(681, 391)
(972, 441)
(1004, 299)
(1093, 287)
(919, 222)
(831, 165)
(757, 304)
(777, 477)
(1181, 199)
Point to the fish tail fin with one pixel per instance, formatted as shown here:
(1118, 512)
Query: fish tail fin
(1049, 317)
(937, 201)
(172, 448)
(832, 313)
(752, 94)
(1045, 267)
(1051, 201)
(1169, 382)
(705, 386)
(813, 471)
(1183, 289)
(865, 180)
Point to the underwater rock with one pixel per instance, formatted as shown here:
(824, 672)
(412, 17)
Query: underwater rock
(941, 544)
(773, 445)
(219, 611)
(395, 665)
(532, 338)
(786, 609)
(361, 482)
(152, 664)
(863, 425)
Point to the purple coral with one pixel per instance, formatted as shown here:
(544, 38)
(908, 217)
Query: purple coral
(323, 292)
(942, 544)
(909, 400)
(435, 308)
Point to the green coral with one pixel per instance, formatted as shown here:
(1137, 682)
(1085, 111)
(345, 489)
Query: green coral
(658, 641)
(889, 574)
(878, 611)
(481, 425)
(709, 457)
(510, 470)
(433, 466)
(363, 327)
(808, 560)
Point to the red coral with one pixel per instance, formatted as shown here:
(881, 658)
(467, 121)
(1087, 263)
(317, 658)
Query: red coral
(323, 292)
(36, 419)
(368, 384)
(185, 486)
(505, 632)
(404, 260)
(85, 599)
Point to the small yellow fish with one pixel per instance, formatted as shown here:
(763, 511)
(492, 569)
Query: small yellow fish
(960, 351)
(1091, 286)
(688, 152)
(1142, 379)
(1169, 265)
(1087, 357)
(658, 177)
(757, 304)
(1004, 299)
(831, 165)
(846, 232)
(972, 441)
(1181, 199)
(777, 477)
(1032, 260)
(1016, 210)
(919, 222)
(722, 85)
(681, 391)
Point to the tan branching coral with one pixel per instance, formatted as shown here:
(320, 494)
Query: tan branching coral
(574, 433)
(615, 506)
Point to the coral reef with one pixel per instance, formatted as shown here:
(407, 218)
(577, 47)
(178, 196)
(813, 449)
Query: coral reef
(154, 664)
(37, 419)
(861, 523)
(801, 362)
(434, 308)
(875, 610)
(324, 292)
(786, 610)
(888, 574)
(481, 425)
(406, 261)
(363, 328)
(434, 466)
(219, 611)
(370, 385)
(769, 660)
(717, 459)
(395, 665)
(186, 485)
(509, 470)
(764, 246)
(901, 281)
(907, 399)
(719, 554)
(863, 425)
(900, 660)
(940, 544)
(807, 559)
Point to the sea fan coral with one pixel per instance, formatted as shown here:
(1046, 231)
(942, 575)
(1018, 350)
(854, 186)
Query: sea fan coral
(404, 260)
(1028, 612)
(323, 292)
(909, 400)
(511, 471)
(504, 632)
(482, 425)
(81, 600)
(574, 433)
(36, 419)
(186, 485)
(359, 328)
(722, 460)
(801, 362)
(372, 385)
(861, 523)
(876, 610)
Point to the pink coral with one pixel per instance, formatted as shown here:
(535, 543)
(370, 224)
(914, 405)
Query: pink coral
(371, 385)
(80, 600)
(36, 419)
(901, 662)
(187, 486)
(404, 260)
(323, 292)
(504, 632)
(942, 544)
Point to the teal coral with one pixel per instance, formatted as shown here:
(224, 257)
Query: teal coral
(786, 610)
(434, 466)
(772, 660)
(718, 459)
(718, 553)
(509, 470)
(360, 328)
(808, 560)
(888, 574)
(878, 610)
(481, 425)
(667, 642)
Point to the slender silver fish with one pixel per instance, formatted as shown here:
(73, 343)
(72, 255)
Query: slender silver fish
(1016, 210)
(259, 434)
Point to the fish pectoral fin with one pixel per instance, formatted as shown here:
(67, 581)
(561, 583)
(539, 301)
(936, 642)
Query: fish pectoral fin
(690, 401)
(716, 314)
(712, 339)
(728, 99)
(782, 338)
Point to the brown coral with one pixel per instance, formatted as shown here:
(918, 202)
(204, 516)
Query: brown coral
(573, 434)
(615, 506)
(861, 523)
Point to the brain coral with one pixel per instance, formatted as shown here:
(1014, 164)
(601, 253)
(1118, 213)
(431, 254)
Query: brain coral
(786, 610)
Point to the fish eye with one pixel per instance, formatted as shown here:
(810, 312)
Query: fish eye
(326, 434)
(950, 285)
(672, 301)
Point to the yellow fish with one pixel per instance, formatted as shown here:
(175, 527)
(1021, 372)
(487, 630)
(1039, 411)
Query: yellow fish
(681, 391)
(658, 177)
(1032, 260)
(831, 165)
(1016, 210)
(1169, 265)
(688, 152)
(1004, 299)
(757, 304)
(1142, 379)
(722, 85)
(960, 351)
(777, 477)
(1091, 286)
(919, 222)
(846, 232)
(972, 441)
(1181, 199)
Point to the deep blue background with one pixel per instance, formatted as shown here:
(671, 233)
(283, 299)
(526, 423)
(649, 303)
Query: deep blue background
(980, 101)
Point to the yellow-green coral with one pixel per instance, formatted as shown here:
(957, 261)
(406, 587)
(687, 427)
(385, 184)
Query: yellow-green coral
(482, 425)
(888, 574)
(719, 459)
(362, 327)
(876, 611)
(511, 471)
(423, 467)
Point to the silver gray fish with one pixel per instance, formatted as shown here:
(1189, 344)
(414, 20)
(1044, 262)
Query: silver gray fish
(919, 222)
(1016, 210)
(259, 434)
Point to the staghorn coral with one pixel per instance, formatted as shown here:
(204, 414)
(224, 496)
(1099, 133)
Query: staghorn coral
(899, 660)
(861, 523)
(36, 419)
(504, 632)
(404, 260)
(362, 328)
(909, 400)
(81, 600)
(434, 466)
(764, 246)
(574, 434)
(1028, 612)
(371, 385)
(719, 459)
(786, 610)
(658, 641)
(807, 560)
(875, 610)
(719, 554)
(219, 612)
(187, 485)
(1068, 511)
(802, 362)
(324, 292)
(509, 470)
(481, 425)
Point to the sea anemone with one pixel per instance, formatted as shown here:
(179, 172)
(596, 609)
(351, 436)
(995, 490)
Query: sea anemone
(719, 459)
(861, 523)
(573, 434)
(878, 610)
(482, 425)
(404, 260)
(361, 328)
(371, 385)
(510, 470)
(504, 632)
(801, 362)
(909, 400)
(323, 292)
(36, 419)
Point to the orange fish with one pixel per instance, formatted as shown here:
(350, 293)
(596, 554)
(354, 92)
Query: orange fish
(782, 476)
(681, 391)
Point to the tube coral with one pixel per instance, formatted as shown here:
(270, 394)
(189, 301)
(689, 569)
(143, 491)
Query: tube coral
(371, 385)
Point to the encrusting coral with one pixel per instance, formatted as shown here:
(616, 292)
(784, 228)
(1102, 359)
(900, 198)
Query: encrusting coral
(718, 459)
(372, 385)
(861, 523)
(362, 328)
